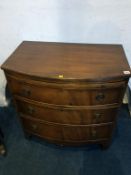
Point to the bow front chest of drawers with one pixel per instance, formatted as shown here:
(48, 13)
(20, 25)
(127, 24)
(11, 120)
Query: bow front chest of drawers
(68, 94)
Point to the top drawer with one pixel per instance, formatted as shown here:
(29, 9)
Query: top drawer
(68, 94)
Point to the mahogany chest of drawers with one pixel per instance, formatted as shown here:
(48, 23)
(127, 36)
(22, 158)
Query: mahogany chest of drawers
(65, 93)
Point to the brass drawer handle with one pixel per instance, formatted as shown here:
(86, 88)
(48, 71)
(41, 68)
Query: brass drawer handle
(93, 133)
(31, 110)
(97, 116)
(34, 126)
(100, 97)
(26, 92)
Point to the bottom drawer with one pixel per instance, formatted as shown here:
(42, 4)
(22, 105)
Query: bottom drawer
(66, 133)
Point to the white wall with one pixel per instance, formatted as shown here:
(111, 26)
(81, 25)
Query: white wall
(88, 21)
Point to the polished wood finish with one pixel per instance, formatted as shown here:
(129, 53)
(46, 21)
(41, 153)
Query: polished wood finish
(92, 62)
(68, 94)
(67, 133)
(74, 116)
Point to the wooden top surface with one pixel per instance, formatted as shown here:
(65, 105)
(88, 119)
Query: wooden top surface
(91, 62)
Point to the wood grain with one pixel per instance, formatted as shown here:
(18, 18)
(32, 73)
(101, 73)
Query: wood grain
(65, 93)
(76, 95)
(92, 62)
(67, 133)
(69, 115)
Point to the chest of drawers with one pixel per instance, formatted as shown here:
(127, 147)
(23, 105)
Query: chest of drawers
(65, 93)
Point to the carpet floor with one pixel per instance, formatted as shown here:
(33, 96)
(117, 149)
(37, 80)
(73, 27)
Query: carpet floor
(36, 157)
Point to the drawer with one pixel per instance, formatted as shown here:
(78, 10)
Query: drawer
(67, 115)
(52, 131)
(63, 95)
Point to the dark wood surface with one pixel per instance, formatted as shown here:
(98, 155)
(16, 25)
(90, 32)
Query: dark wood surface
(68, 93)
(92, 62)
(67, 133)
(68, 115)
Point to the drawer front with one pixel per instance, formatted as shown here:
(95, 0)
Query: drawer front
(68, 115)
(67, 96)
(67, 132)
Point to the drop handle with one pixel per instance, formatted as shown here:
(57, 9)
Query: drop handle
(34, 127)
(94, 133)
(100, 97)
(97, 116)
(26, 92)
(31, 110)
